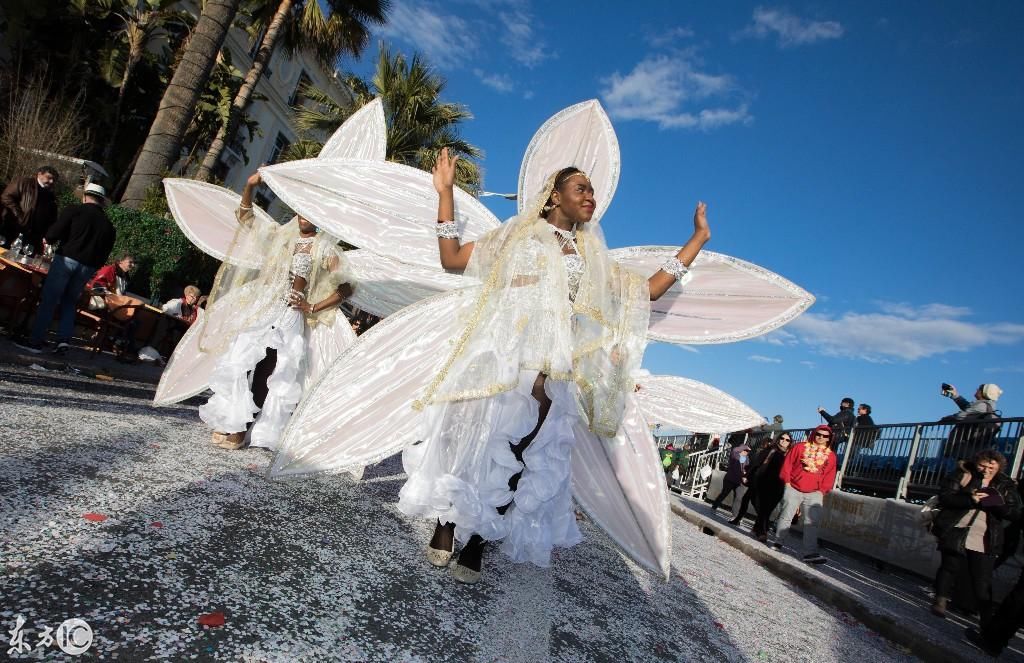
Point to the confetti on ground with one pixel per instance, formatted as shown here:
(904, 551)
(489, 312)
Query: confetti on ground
(329, 570)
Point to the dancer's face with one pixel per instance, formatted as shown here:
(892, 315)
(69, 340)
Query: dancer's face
(575, 198)
(305, 227)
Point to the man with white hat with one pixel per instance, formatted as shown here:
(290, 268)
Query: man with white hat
(84, 237)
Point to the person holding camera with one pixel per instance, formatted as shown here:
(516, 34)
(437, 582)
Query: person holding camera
(971, 432)
(842, 422)
(973, 503)
(984, 400)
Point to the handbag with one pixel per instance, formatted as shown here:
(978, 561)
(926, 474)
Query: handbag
(954, 540)
(929, 511)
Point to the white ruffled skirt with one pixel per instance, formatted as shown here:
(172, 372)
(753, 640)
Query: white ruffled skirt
(231, 407)
(460, 472)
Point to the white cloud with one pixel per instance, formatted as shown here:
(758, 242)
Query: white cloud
(901, 332)
(444, 39)
(669, 36)
(778, 337)
(524, 46)
(764, 360)
(809, 364)
(789, 29)
(658, 87)
(1018, 368)
(499, 82)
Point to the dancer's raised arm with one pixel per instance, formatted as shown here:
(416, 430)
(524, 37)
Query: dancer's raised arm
(453, 254)
(675, 268)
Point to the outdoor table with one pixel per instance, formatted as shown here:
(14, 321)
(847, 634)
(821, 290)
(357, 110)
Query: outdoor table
(20, 286)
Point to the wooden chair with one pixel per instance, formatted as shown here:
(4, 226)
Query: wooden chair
(101, 321)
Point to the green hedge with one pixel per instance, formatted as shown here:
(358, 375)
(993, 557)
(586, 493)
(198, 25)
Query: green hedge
(166, 261)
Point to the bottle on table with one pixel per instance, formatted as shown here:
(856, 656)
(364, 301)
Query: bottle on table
(16, 246)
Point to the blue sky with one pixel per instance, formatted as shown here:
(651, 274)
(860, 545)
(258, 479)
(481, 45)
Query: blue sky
(871, 152)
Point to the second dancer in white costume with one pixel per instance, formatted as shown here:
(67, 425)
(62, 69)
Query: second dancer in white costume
(259, 376)
(550, 346)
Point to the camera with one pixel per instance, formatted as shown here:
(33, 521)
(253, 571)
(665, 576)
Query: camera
(946, 389)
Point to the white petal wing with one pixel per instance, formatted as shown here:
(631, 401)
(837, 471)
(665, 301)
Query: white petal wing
(364, 135)
(385, 207)
(581, 136)
(621, 485)
(726, 300)
(360, 411)
(385, 286)
(678, 402)
(206, 214)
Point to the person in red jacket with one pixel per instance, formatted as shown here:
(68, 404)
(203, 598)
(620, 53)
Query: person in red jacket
(808, 472)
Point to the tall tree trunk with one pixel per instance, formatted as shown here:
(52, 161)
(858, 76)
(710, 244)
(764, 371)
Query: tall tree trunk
(122, 182)
(178, 105)
(241, 101)
(108, 151)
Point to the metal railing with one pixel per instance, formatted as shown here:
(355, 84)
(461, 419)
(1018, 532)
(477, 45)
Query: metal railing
(901, 461)
(908, 461)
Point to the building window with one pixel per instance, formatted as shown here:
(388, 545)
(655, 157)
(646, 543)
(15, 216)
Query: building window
(298, 96)
(281, 144)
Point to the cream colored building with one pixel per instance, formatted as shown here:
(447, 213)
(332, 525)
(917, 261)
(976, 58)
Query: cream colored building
(279, 86)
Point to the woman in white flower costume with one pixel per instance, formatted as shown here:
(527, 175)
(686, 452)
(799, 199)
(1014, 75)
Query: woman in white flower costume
(512, 394)
(276, 294)
(555, 336)
(298, 286)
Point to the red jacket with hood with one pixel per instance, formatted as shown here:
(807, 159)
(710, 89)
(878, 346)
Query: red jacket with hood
(794, 474)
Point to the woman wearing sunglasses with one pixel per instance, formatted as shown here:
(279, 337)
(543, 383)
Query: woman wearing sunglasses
(767, 485)
(808, 472)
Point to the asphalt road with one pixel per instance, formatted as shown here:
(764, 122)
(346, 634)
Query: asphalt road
(126, 517)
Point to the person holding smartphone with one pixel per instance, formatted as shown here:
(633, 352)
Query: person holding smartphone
(974, 503)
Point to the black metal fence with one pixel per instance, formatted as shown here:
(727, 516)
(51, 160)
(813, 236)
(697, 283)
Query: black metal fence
(901, 461)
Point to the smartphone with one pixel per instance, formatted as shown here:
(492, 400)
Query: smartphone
(992, 498)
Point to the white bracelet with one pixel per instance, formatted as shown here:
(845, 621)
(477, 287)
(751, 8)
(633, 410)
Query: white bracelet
(447, 230)
(676, 268)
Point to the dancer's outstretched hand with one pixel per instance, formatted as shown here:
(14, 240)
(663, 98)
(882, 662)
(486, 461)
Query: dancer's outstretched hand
(444, 171)
(700, 220)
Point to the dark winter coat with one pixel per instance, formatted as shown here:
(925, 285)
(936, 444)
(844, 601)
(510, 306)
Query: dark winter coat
(955, 501)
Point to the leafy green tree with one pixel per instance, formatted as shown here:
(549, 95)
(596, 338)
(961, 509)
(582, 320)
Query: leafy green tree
(419, 123)
(297, 25)
(143, 24)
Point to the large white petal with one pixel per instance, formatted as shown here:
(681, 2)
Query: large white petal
(188, 371)
(360, 411)
(364, 135)
(385, 207)
(385, 286)
(678, 402)
(206, 214)
(581, 136)
(725, 300)
(621, 485)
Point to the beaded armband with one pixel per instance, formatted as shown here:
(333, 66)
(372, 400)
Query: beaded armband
(676, 268)
(447, 230)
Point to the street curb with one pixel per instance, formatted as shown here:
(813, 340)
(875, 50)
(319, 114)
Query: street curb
(901, 633)
(85, 370)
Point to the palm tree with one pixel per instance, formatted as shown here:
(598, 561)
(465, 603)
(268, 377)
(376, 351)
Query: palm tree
(143, 24)
(179, 101)
(419, 123)
(298, 25)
